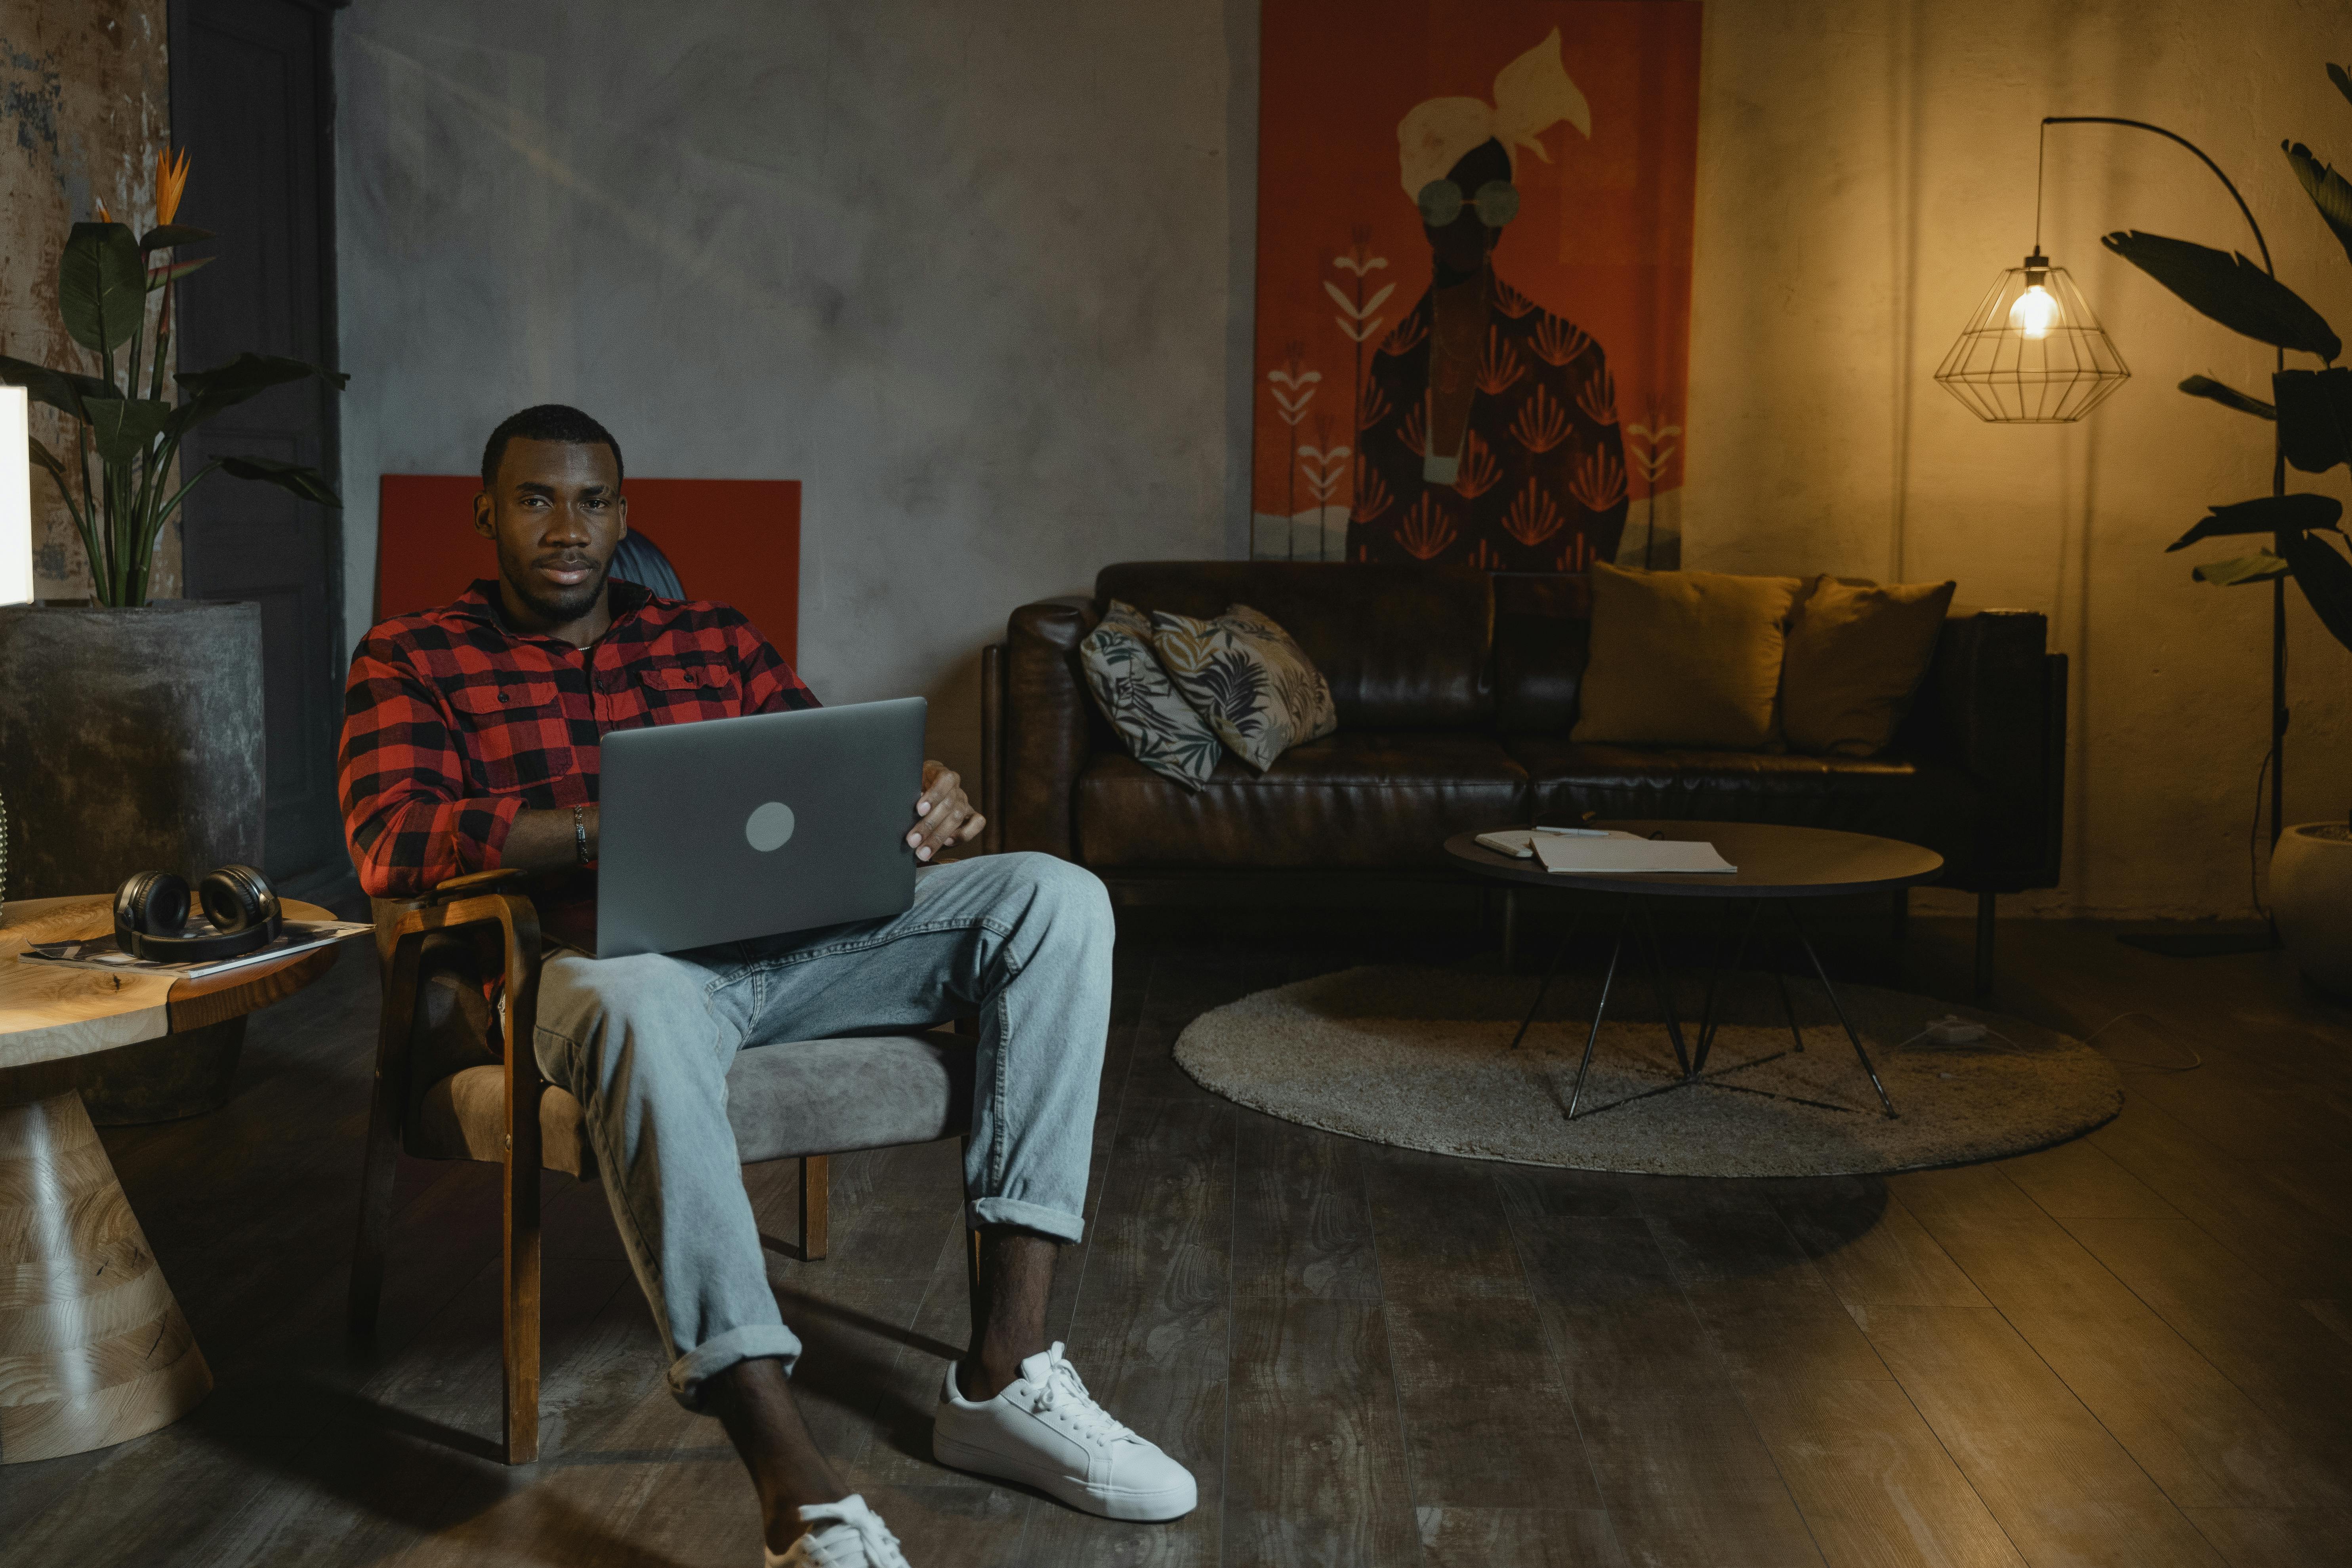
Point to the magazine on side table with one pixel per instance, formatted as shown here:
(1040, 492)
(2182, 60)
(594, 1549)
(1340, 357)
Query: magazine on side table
(104, 953)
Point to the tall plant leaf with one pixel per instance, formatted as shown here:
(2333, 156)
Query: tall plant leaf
(247, 375)
(2259, 567)
(48, 461)
(62, 390)
(304, 482)
(2230, 288)
(2325, 579)
(123, 428)
(171, 234)
(2205, 387)
(102, 286)
(2328, 190)
(2315, 415)
(2267, 514)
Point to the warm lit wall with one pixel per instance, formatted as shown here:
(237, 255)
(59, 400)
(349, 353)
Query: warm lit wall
(978, 275)
(1865, 170)
(85, 106)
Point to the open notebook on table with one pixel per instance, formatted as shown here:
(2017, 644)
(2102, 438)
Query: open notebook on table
(1614, 852)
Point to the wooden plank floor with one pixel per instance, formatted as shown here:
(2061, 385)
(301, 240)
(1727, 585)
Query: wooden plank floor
(2134, 1350)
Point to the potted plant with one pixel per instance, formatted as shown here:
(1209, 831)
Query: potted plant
(130, 730)
(2311, 418)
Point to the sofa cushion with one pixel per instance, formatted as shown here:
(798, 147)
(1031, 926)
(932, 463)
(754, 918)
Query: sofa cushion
(1856, 653)
(1358, 798)
(1247, 677)
(1894, 797)
(1160, 728)
(1683, 658)
(805, 1097)
(1403, 646)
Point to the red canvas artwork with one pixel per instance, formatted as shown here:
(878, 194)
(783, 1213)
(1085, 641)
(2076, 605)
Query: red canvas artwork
(736, 540)
(1473, 272)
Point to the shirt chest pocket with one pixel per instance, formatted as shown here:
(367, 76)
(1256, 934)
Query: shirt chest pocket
(676, 692)
(515, 737)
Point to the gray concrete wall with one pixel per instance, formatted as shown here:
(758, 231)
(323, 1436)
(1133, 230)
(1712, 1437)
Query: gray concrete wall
(964, 270)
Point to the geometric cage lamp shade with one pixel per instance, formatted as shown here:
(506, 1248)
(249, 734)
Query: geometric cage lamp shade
(2032, 352)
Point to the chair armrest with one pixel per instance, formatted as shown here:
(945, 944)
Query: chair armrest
(1047, 741)
(2001, 699)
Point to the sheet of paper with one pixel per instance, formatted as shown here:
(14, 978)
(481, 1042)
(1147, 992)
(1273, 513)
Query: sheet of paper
(1620, 854)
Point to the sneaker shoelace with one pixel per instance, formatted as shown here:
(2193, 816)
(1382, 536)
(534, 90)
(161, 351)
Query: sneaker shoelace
(880, 1546)
(1064, 1390)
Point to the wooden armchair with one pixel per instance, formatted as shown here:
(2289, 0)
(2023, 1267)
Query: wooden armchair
(802, 1102)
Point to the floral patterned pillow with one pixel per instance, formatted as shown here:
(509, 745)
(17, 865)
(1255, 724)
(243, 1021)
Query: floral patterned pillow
(1257, 688)
(1159, 727)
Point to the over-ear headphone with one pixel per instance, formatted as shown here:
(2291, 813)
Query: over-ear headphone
(151, 911)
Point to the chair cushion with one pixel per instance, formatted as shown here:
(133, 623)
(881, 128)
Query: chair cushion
(805, 1097)
(1892, 797)
(1856, 653)
(1378, 799)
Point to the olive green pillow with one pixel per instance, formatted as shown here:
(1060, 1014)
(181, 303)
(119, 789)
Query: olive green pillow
(1683, 658)
(1857, 652)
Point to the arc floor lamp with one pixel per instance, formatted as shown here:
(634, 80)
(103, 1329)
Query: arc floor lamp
(2034, 353)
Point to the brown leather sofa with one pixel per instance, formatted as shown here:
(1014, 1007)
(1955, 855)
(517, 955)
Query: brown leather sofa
(1456, 692)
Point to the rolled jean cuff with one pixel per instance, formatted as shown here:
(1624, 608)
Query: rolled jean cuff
(1059, 1224)
(707, 1360)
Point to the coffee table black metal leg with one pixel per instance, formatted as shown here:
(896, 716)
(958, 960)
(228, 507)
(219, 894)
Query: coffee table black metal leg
(1839, 1007)
(1600, 1011)
(1789, 1006)
(1739, 955)
(1664, 985)
(1549, 970)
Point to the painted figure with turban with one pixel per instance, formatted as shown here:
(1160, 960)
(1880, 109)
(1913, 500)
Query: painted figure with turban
(1488, 430)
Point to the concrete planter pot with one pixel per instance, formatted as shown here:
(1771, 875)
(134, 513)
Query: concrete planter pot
(131, 740)
(2311, 895)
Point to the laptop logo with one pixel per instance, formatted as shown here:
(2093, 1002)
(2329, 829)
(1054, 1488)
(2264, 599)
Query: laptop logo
(768, 826)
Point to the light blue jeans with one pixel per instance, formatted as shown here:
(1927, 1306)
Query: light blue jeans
(643, 1043)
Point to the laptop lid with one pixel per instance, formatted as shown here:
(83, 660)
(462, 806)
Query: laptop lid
(732, 829)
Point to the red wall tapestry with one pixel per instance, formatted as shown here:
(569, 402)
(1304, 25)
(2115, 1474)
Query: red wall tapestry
(736, 540)
(1474, 269)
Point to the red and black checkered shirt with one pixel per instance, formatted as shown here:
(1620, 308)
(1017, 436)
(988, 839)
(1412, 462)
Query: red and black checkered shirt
(454, 721)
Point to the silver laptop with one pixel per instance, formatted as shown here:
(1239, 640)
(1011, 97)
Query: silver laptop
(744, 827)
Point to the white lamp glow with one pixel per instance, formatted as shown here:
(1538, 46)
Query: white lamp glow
(2035, 312)
(15, 498)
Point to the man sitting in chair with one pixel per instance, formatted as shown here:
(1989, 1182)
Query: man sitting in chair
(437, 783)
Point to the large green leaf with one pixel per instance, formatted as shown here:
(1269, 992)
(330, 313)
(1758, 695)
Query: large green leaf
(304, 482)
(2329, 190)
(247, 375)
(2226, 397)
(170, 234)
(123, 428)
(2230, 288)
(2325, 579)
(2315, 415)
(2259, 567)
(2268, 514)
(102, 286)
(62, 390)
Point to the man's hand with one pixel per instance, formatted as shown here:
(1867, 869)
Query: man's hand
(944, 815)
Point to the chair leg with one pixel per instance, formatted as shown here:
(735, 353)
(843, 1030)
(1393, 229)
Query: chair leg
(815, 1205)
(378, 1161)
(521, 1313)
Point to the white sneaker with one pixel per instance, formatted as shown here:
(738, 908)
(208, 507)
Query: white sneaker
(844, 1534)
(1045, 1429)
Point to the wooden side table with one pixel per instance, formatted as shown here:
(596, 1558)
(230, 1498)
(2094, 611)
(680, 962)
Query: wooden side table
(93, 1349)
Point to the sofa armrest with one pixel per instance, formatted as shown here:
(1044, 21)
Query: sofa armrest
(1047, 741)
(2000, 700)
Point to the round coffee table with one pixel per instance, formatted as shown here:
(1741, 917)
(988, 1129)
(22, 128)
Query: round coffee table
(96, 1349)
(1776, 866)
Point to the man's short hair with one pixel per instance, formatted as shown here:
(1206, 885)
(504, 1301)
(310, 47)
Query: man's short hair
(546, 422)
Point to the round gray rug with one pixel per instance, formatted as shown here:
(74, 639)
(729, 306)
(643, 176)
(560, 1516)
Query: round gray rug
(1422, 1058)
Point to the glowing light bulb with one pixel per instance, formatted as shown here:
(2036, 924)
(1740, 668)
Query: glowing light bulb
(2035, 312)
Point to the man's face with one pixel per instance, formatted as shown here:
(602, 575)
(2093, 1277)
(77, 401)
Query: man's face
(557, 513)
